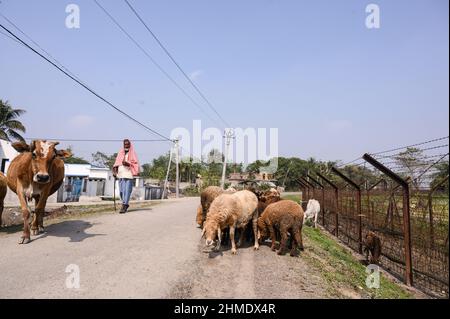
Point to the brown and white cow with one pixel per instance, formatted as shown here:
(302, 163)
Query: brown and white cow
(36, 173)
(3, 190)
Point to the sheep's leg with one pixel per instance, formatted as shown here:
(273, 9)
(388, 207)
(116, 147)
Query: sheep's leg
(298, 243)
(300, 239)
(241, 237)
(272, 237)
(255, 232)
(233, 243)
(282, 242)
(366, 250)
(315, 220)
(219, 239)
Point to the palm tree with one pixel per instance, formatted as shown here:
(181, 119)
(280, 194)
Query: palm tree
(9, 125)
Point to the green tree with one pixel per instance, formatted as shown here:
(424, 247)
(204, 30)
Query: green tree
(10, 126)
(102, 159)
(442, 170)
(360, 174)
(410, 164)
(158, 168)
(74, 159)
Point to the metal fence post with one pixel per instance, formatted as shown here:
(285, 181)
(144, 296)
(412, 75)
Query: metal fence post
(430, 208)
(336, 195)
(358, 204)
(305, 188)
(323, 197)
(406, 215)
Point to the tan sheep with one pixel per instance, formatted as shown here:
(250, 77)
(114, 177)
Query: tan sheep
(286, 216)
(234, 211)
(199, 217)
(207, 197)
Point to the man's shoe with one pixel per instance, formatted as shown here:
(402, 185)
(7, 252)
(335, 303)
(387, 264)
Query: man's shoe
(125, 209)
(122, 210)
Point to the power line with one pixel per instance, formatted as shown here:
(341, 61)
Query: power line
(10, 37)
(93, 140)
(176, 63)
(160, 68)
(86, 87)
(418, 144)
(37, 44)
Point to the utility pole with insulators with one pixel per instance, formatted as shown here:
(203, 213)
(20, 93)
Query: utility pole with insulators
(229, 134)
(177, 178)
(166, 181)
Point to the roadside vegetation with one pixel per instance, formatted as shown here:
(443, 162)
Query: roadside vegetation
(344, 273)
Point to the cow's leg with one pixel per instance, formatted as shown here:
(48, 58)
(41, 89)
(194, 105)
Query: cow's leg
(255, 231)
(233, 244)
(1, 212)
(34, 217)
(40, 211)
(25, 238)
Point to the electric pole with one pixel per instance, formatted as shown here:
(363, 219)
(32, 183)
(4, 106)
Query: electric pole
(228, 136)
(167, 174)
(177, 178)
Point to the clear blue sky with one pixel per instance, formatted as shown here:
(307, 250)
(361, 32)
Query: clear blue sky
(334, 88)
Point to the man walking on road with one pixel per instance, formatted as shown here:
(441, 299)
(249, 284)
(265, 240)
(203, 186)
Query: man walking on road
(125, 169)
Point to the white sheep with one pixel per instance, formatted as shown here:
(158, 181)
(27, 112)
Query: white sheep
(312, 211)
(234, 211)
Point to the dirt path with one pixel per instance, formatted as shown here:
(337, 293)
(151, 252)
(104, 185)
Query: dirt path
(150, 253)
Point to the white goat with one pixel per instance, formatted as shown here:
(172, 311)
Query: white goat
(312, 211)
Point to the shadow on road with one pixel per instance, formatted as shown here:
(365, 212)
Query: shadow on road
(75, 230)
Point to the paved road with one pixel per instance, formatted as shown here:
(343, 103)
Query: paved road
(152, 253)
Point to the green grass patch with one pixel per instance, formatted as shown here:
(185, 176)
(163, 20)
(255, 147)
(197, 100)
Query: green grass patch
(295, 198)
(343, 271)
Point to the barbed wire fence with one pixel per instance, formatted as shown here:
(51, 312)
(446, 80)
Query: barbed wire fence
(401, 195)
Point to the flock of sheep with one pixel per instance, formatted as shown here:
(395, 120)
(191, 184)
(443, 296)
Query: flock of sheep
(257, 215)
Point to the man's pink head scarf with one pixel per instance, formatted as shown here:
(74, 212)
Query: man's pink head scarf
(132, 159)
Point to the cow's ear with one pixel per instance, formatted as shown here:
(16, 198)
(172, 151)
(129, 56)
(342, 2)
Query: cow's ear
(21, 147)
(63, 154)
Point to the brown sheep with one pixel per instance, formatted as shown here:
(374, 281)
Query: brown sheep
(267, 198)
(234, 211)
(264, 200)
(199, 218)
(287, 217)
(207, 197)
(372, 244)
(3, 190)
